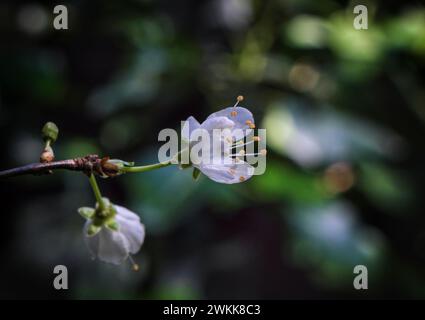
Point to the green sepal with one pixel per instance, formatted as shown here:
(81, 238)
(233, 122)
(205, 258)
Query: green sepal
(106, 202)
(195, 174)
(93, 230)
(113, 225)
(107, 213)
(86, 212)
(185, 166)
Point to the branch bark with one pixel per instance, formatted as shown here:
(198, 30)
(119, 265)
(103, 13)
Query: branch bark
(88, 165)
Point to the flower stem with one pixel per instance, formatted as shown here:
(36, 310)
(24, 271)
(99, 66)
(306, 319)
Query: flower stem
(146, 168)
(96, 192)
(153, 166)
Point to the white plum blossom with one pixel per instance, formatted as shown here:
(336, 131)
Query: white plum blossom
(233, 124)
(112, 234)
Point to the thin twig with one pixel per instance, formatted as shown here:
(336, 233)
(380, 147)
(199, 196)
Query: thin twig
(88, 165)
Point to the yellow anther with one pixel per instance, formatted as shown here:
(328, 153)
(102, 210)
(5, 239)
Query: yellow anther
(263, 152)
(233, 113)
(248, 122)
(242, 152)
(256, 138)
(252, 126)
(136, 267)
(241, 179)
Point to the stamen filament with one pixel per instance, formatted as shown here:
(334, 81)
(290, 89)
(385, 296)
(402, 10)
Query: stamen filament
(238, 99)
(134, 265)
(236, 145)
(261, 153)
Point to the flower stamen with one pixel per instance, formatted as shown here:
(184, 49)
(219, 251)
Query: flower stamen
(238, 99)
(241, 144)
(241, 153)
(134, 265)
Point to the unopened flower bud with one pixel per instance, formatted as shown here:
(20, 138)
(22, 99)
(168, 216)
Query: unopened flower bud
(50, 132)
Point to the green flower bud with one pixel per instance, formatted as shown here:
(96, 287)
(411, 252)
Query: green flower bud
(50, 132)
(93, 230)
(86, 212)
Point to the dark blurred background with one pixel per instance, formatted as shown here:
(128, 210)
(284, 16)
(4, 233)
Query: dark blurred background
(345, 117)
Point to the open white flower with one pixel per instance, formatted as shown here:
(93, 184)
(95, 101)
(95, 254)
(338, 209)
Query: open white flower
(234, 124)
(112, 234)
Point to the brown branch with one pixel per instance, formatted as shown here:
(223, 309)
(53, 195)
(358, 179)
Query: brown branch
(88, 165)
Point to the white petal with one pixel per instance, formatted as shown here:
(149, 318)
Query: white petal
(228, 173)
(133, 231)
(239, 116)
(217, 123)
(190, 124)
(124, 212)
(113, 246)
